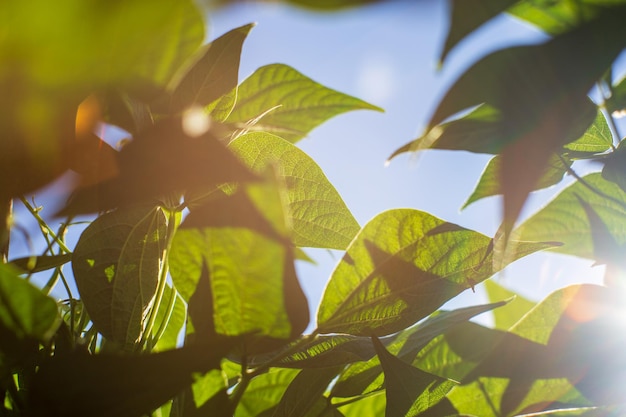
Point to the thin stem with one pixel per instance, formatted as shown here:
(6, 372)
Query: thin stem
(169, 237)
(6, 211)
(166, 319)
(42, 223)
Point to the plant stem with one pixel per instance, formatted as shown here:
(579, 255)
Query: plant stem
(169, 237)
(6, 210)
(42, 223)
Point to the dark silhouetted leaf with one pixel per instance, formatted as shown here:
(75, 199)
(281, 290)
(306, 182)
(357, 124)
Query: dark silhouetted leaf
(468, 15)
(297, 103)
(614, 167)
(319, 215)
(617, 101)
(403, 265)
(160, 160)
(265, 392)
(41, 263)
(410, 391)
(117, 262)
(540, 93)
(214, 74)
(78, 384)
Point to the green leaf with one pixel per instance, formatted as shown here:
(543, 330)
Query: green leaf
(617, 101)
(614, 166)
(253, 285)
(305, 391)
(116, 263)
(508, 315)
(489, 183)
(215, 72)
(564, 219)
(170, 320)
(372, 405)
(78, 384)
(297, 103)
(319, 215)
(264, 392)
(409, 390)
(402, 266)
(33, 264)
(539, 113)
(80, 44)
(25, 311)
(468, 15)
(558, 16)
(365, 377)
(596, 139)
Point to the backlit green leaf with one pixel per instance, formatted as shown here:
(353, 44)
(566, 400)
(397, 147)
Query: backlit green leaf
(116, 263)
(403, 265)
(305, 391)
(319, 215)
(489, 183)
(25, 311)
(297, 103)
(596, 139)
(409, 390)
(214, 74)
(558, 16)
(264, 392)
(170, 320)
(41, 263)
(253, 284)
(565, 220)
(507, 316)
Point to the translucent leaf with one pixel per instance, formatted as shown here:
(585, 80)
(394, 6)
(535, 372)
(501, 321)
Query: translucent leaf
(508, 315)
(596, 139)
(249, 264)
(489, 182)
(558, 16)
(305, 391)
(365, 377)
(403, 265)
(319, 215)
(116, 263)
(564, 218)
(264, 392)
(215, 72)
(25, 311)
(409, 390)
(299, 104)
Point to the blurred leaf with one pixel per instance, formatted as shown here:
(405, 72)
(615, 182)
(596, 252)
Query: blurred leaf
(617, 101)
(372, 405)
(508, 315)
(468, 15)
(122, 109)
(565, 220)
(79, 43)
(540, 93)
(409, 391)
(250, 266)
(264, 392)
(614, 170)
(214, 74)
(25, 311)
(93, 159)
(489, 183)
(305, 391)
(78, 384)
(403, 265)
(320, 217)
(558, 16)
(160, 160)
(297, 103)
(330, 5)
(365, 377)
(116, 263)
(33, 264)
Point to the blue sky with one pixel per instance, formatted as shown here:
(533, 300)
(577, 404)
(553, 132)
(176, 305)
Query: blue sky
(388, 55)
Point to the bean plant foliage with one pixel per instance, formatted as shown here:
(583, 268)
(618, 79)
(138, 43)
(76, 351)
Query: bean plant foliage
(183, 299)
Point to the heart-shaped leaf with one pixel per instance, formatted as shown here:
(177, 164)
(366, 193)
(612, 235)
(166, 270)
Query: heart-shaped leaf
(117, 264)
